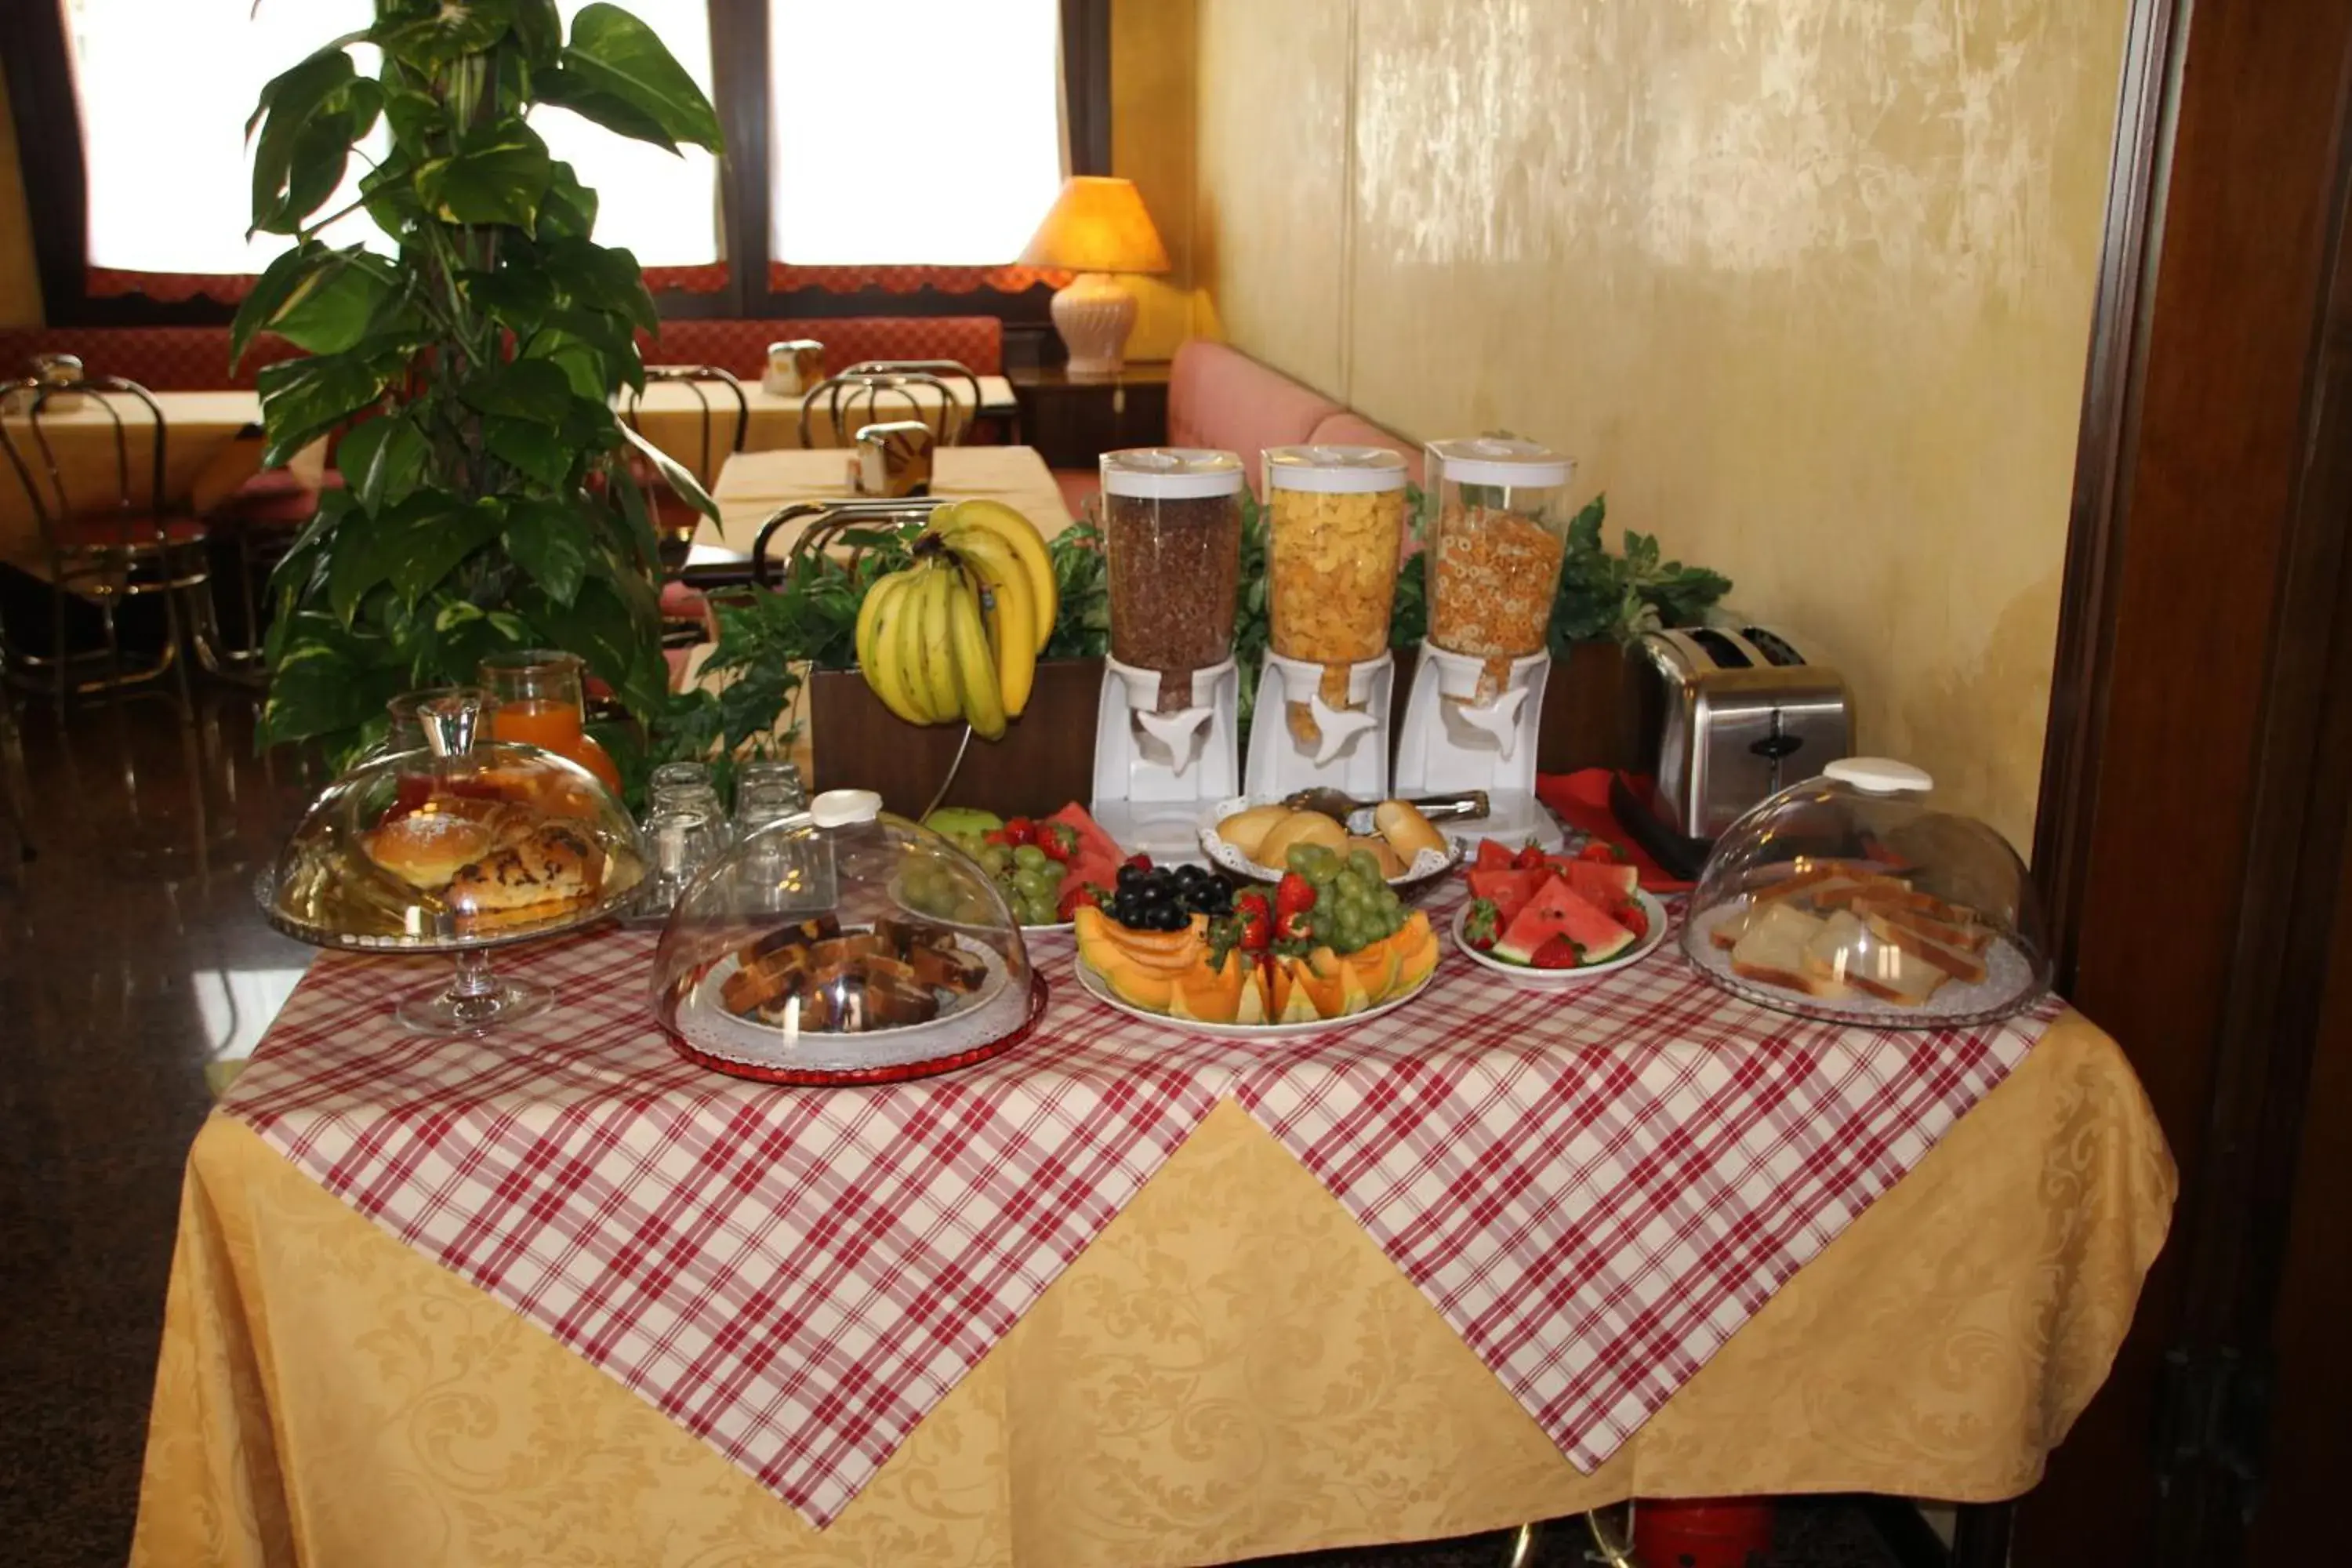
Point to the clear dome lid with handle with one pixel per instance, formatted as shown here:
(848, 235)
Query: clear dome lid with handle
(843, 942)
(1851, 898)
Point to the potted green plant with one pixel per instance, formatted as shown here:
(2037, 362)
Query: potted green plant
(1604, 604)
(488, 502)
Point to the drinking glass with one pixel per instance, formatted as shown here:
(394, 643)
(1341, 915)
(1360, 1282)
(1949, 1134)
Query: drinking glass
(543, 702)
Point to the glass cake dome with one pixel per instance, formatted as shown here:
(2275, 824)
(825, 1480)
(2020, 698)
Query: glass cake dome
(844, 946)
(458, 846)
(1850, 898)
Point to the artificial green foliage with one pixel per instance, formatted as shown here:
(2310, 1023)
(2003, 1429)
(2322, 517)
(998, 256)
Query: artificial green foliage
(1619, 597)
(1082, 587)
(488, 501)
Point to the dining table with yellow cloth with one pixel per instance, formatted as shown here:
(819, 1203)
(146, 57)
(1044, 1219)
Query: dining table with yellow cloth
(1232, 1368)
(753, 485)
(674, 415)
(212, 443)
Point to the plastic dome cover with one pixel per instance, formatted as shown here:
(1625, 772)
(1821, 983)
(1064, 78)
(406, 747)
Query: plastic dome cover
(491, 844)
(846, 941)
(1849, 898)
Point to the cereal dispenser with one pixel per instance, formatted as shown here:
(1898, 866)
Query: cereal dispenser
(1335, 524)
(1164, 735)
(1498, 529)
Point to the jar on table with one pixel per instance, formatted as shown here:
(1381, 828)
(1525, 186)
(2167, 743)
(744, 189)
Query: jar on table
(1498, 538)
(1334, 527)
(542, 700)
(1172, 544)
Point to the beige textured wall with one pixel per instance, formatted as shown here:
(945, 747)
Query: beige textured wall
(1804, 285)
(20, 283)
(1152, 62)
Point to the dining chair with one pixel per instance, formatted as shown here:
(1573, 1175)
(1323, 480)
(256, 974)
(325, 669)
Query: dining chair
(686, 615)
(842, 395)
(821, 525)
(945, 369)
(103, 544)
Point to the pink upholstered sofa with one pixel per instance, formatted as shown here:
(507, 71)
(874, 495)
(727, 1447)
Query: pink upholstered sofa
(1220, 397)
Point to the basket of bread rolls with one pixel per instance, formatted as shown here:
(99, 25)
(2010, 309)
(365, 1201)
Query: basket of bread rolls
(1252, 837)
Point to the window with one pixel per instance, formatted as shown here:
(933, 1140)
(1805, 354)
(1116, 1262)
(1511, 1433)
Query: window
(165, 90)
(883, 151)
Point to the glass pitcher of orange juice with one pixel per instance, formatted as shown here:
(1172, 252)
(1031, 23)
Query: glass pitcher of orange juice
(542, 703)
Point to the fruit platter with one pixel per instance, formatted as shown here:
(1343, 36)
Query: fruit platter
(1253, 837)
(1330, 944)
(1044, 868)
(1556, 919)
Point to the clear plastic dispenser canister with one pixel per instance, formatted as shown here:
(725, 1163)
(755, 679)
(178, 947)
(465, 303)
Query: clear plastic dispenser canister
(1497, 532)
(1173, 533)
(1335, 528)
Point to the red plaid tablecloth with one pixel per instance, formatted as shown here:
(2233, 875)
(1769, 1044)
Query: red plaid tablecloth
(1595, 1188)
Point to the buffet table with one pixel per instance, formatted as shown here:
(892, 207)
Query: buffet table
(670, 414)
(1124, 1296)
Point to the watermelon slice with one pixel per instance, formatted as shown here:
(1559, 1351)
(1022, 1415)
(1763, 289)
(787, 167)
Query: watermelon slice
(1604, 884)
(1507, 891)
(1558, 910)
(1093, 844)
(1493, 856)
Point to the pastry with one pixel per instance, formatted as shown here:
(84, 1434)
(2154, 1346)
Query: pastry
(1296, 828)
(432, 844)
(1407, 831)
(552, 872)
(1246, 830)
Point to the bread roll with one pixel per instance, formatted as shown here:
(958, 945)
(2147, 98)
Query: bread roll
(1393, 864)
(1297, 828)
(1407, 831)
(1246, 830)
(552, 872)
(425, 848)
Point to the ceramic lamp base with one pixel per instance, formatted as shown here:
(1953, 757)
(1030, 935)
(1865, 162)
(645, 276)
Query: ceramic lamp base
(1094, 314)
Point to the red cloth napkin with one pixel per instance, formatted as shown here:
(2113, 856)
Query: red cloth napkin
(1580, 800)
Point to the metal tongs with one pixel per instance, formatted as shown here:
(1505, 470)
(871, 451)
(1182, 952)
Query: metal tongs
(1340, 806)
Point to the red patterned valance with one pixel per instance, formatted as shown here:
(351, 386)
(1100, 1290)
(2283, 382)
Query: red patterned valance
(228, 288)
(785, 276)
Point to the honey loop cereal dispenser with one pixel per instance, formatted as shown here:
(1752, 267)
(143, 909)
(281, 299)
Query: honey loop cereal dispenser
(1499, 529)
(1335, 526)
(1164, 735)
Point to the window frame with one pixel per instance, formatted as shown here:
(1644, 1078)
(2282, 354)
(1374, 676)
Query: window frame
(35, 54)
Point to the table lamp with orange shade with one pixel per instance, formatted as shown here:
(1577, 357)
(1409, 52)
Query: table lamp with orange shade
(1097, 226)
(543, 702)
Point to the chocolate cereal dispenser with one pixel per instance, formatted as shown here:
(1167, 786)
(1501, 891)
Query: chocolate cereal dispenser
(1164, 735)
(1497, 532)
(1335, 524)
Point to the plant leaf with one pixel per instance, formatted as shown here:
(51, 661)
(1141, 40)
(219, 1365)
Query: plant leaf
(523, 389)
(444, 33)
(547, 541)
(324, 684)
(434, 533)
(330, 310)
(498, 174)
(397, 465)
(682, 483)
(519, 297)
(614, 53)
(538, 28)
(529, 447)
(562, 90)
(303, 399)
(568, 211)
(269, 292)
(595, 626)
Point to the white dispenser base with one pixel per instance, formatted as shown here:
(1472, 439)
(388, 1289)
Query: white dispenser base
(1354, 754)
(1155, 774)
(1452, 743)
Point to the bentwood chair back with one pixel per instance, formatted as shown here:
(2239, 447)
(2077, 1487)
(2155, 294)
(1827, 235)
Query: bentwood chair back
(831, 524)
(878, 393)
(953, 370)
(673, 518)
(107, 528)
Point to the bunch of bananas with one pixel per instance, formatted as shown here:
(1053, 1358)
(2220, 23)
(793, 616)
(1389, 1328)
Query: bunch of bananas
(957, 634)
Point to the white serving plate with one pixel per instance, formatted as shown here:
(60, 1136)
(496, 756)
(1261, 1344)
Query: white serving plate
(1094, 987)
(1558, 979)
(1426, 867)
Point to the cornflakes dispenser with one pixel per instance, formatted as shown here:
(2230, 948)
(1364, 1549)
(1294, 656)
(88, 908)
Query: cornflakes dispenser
(1497, 533)
(1165, 745)
(1335, 525)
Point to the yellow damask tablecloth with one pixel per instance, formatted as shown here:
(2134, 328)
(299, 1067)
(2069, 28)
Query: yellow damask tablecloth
(1232, 1369)
(671, 416)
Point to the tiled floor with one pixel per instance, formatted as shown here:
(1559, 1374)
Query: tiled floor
(131, 956)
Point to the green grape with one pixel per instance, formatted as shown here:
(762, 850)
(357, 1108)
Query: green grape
(1030, 883)
(996, 858)
(1029, 855)
(1365, 865)
(1053, 872)
(1314, 862)
(1349, 884)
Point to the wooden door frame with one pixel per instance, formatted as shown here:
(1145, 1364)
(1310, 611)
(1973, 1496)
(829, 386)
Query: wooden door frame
(2232, 1094)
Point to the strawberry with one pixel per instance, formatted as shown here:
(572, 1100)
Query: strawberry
(1633, 918)
(1140, 862)
(997, 835)
(1059, 840)
(1257, 915)
(1483, 924)
(1599, 849)
(1296, 927)
(1294, 895)
(1020, 830)
(1076, 895)
(1493, 856)
(1558, 954)
(1529, 858)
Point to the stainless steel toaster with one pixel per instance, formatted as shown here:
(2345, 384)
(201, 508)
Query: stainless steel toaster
(1726, 716)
